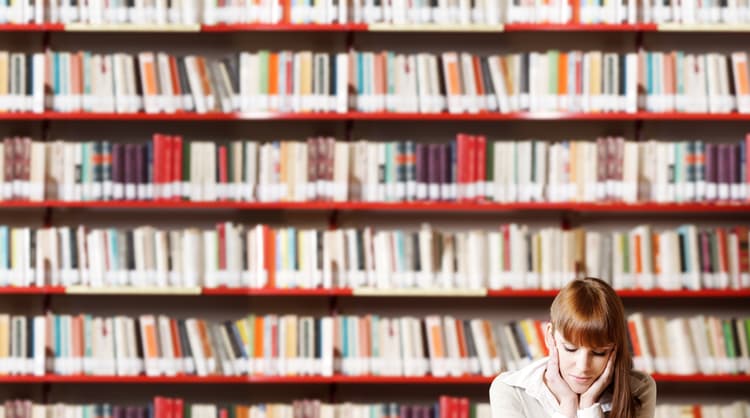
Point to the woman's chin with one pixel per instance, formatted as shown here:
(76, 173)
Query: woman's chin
(578, 386)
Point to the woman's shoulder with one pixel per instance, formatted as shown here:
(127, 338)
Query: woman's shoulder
(642, 384)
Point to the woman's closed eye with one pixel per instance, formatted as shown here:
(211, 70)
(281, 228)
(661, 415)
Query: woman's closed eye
(598, 353)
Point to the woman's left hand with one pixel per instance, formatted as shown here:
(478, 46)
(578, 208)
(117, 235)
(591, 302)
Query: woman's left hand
(592, 394)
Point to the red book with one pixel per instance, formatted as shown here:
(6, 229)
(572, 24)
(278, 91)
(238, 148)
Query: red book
(540, 336)
(159, 407)
(222, 232)
(166, 187)
(158, 166)
(179, 408)
(465, 165)
(505, 229)
(175, 339)
(223, 177)
(177, 167)
(634, 339)
(481, 166)
(742, 251)
(169, 407)
(471, 166)
(445, 406)
(269, 251)
(463, 407)
(721, 244)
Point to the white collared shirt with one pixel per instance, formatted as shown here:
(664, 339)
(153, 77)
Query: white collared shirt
(523, 394)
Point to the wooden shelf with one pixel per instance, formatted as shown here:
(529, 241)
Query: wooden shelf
(284, 27)
(703, 27)
(131, 27)
(579, 27)
(433, 27)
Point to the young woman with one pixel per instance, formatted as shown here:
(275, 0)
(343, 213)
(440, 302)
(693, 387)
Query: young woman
(588, 373)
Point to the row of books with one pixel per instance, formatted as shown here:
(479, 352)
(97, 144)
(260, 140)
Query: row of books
(698, 344)
(486, 12)
(168, 407)
(695, 12)
(469, 168)
(443, 407)
(386, 81)
(734, 410)
(510, 256)
(294, 345)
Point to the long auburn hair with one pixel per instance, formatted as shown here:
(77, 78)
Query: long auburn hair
(588, 313)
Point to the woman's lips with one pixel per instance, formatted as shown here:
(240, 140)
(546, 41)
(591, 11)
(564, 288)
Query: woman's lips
(579, 379)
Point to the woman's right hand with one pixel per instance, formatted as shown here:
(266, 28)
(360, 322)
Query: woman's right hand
(565, 396)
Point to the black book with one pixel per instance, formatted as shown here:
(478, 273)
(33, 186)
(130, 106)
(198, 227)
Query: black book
(73, 243)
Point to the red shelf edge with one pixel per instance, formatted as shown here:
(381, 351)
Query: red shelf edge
(288, 27)
(504, 293)
(327, 380)
(380, 206)
(359, 27)
(375, 116)
(42, 27)
(43, 290)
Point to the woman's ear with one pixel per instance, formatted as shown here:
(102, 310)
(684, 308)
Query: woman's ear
(549, 338)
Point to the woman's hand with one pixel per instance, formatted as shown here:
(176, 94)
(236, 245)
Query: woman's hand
(565, 396)
(592, 394)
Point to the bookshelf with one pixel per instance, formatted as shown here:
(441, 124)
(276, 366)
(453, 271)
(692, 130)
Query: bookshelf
(384, 302)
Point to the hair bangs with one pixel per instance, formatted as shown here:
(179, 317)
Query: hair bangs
(583, 319)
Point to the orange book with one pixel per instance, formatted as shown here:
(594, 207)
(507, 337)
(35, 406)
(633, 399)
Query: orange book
(269, 241)
(273, 74)
(175, 75)
(741, 71)
(634, 339)
(461, 333)
(149, 75)
(208, 351)
(562, 74)
(454, 84)
(149, 336)
(437, 337)
(477, 65)
(638, 255)
(205, 84)
(365, 330)
(259, 343)
(540, 336)
(380, 62)
(77, 325)
(490, 339)
(175, 338)
(655, 247)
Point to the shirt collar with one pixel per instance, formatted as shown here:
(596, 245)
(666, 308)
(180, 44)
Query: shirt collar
(531, 379)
